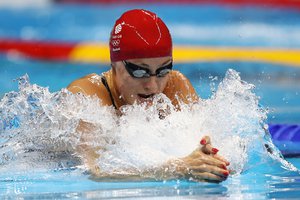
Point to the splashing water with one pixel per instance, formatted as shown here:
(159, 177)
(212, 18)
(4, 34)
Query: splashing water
(39, 128)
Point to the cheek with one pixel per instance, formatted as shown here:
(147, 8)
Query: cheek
(123, 82)
(127, 86)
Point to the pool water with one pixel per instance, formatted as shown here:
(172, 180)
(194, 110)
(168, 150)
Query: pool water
(259, 181)
(72, 184)
(277, 85)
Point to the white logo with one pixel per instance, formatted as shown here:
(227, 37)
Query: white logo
(118, 28)
(115, 42)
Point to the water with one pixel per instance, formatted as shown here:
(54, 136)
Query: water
(41, 141)
(263, 27)
(38, 139)
(194, 25)
(270, 80)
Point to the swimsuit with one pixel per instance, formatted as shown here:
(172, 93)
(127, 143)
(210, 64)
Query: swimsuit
(104, 81)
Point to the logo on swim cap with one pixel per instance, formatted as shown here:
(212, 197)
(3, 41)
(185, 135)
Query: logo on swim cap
(118, 28)
(115, 42)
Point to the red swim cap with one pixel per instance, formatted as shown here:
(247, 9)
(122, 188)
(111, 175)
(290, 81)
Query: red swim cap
(139, 34)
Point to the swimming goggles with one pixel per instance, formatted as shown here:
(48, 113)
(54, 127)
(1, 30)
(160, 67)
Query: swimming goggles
(137, 71)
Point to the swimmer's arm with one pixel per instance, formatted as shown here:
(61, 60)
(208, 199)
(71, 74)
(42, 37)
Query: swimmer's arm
(204, 164)
(84, 150)
(198, 166)
(87, 152)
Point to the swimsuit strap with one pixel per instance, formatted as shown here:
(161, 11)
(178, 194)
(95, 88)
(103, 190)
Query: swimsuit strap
(104, 81)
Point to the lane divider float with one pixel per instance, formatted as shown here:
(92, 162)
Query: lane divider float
(99, 53)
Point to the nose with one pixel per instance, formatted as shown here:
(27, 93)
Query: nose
(151, 85)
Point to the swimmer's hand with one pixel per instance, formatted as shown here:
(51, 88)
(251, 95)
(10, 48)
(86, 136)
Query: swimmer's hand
(207, 148)
(199, 166)
(203, 164)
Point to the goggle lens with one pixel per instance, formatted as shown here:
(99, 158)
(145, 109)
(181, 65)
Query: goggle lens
(137, 71)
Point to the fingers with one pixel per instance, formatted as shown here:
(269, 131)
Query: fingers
(202, 161)
(211, 169)
(214, 155)
(205, 165)
(209, 177)
(200, 157)
(203, 168)
(208, 160)
(207, 148)
(220, 158)
(208, 173)
(205, 140)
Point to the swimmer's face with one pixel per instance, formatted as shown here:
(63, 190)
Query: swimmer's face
(133, 89)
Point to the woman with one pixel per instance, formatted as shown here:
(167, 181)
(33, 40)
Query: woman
(141, 67)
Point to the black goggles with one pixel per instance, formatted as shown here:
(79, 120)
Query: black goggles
(137, 71)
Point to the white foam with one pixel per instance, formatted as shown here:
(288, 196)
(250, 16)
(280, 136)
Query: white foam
(43, 128)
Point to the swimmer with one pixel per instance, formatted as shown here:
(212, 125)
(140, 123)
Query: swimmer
(141, 67)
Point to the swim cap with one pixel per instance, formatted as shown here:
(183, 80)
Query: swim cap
(139, 34)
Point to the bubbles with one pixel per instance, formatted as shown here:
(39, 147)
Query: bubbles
(45, 129)
(35, 121)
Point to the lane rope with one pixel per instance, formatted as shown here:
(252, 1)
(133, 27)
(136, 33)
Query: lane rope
(99, 53)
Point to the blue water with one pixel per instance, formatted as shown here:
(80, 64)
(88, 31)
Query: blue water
(278, 86)
(194, 24)
(70, 184)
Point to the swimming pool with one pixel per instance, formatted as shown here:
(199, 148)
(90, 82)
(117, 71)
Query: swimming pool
(277, 85)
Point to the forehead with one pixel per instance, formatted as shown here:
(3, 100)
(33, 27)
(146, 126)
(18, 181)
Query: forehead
(148, 62)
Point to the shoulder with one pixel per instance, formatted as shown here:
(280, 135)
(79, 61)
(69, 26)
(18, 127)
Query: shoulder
(177, 76)
(180, 88)
(86, 84)
(178, 81)
(90, 85)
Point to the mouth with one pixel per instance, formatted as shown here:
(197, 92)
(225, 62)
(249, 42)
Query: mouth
(145, 96)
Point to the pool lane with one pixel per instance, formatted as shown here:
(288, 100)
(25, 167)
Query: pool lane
(99, 52)
(201, 25)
